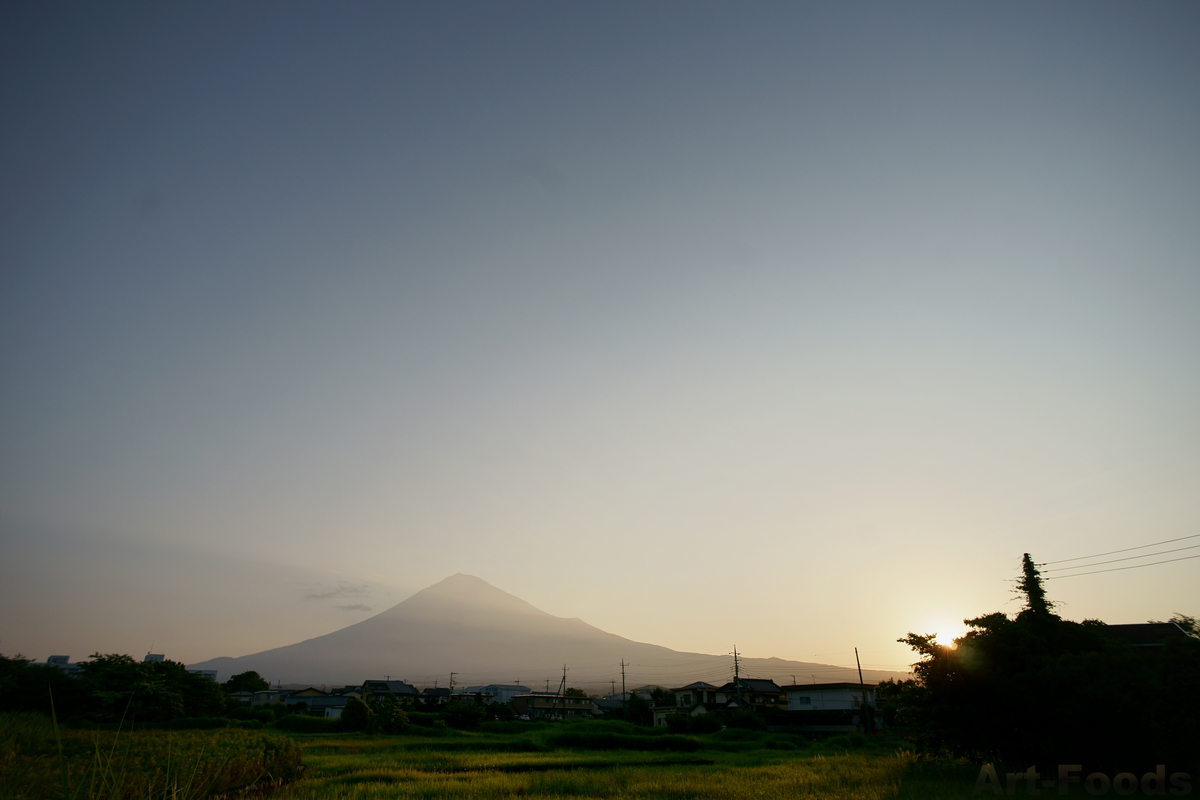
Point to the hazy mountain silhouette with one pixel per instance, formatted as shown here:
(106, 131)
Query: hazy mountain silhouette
(487, 635)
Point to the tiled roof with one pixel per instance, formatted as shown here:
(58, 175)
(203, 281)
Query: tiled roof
(394, 687)
(1144, 634)
(752, 685)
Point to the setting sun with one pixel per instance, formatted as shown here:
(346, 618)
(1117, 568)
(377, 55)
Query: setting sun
(947, 632)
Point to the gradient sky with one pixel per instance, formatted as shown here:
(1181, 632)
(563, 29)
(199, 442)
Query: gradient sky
(783, 325)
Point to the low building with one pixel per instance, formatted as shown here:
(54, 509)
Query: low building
(829, 696)
(754, 693)
(495, 692)
(824, 708)
(62, 663)
(1148, 635)
(270, 696)
(435, 697)
(405, 693)
(551, 706)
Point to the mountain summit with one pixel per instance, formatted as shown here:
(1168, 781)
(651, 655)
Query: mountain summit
(485, 635)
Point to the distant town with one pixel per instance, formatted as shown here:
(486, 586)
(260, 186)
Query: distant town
(813, 708)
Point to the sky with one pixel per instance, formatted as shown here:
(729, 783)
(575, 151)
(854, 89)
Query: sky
(788, 326)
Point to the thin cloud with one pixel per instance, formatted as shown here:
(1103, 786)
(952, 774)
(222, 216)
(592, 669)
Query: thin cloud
(338, 590)
(355, 607)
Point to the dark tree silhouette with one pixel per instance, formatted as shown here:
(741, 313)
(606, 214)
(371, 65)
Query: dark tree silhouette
(249, 681)
(1038, 689)
(1030, 585)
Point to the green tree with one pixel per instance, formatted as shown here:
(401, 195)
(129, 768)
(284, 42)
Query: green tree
(463, 715)
(119, 687)
(27, 687)
(356, 716)
(387, 716)
(249, 681)
(638, 710)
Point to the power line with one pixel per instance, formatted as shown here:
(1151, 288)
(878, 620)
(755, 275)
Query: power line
(1127, 558)
(1126, 550)
(1118, 569)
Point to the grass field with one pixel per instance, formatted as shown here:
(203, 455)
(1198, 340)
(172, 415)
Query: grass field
(39, 763)
(603, 759)
(515, 759)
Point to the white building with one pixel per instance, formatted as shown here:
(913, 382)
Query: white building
(828, 696)
(495, 692)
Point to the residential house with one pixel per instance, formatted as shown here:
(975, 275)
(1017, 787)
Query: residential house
(833, 707)
(754, 693)
(1149, 635)
(435, 697)
(693, 699)
(269, 696)
(405, 693)
(495, 692)
(552, 706)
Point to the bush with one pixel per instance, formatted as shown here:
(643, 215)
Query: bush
(464, 715)
(852, 739)
(588, 740)
(297, 723)
(196, 723)
(424, 719)
(386, 717)
(260, 713)
(247, 724)
(745, 718)
(356, 716)
(685, 723)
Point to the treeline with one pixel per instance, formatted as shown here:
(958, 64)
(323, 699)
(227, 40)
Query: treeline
(109, 688)
(1039, 689)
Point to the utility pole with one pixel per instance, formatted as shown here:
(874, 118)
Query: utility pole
(562, 692)
(864, 712)
(614, 685)
(624, 694)
(452, 674)
(737, 674)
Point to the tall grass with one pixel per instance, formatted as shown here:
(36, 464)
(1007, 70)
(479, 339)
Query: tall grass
(40, 761)
(555, 761)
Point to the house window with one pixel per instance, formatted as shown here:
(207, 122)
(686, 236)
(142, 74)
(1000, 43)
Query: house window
(804, 701)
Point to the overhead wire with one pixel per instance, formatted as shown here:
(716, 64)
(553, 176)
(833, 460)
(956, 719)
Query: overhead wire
(1127, 558)
(1124, 550)
(1118, 569)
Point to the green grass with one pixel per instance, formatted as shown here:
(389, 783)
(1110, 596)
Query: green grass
(603, 759)
(545, 760)
(39, 762)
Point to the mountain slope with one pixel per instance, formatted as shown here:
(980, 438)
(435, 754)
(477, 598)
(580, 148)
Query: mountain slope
(487, 635)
